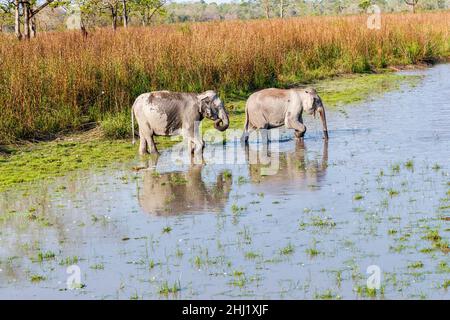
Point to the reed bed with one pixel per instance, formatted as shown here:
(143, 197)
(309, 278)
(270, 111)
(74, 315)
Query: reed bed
(60, 81)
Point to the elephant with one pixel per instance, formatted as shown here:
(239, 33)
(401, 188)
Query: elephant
(174, 193)
(273, 108)
(165, 113)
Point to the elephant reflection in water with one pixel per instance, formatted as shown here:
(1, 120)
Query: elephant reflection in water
(293, 168)
(176, 193)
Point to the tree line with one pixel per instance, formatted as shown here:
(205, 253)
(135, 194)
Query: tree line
(24, 14)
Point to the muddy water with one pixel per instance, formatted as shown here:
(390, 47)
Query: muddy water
(371, 196)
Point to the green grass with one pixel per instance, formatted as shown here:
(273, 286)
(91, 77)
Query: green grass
(227, 174)
(444, 267)
(52, 159)
(289, 249)
(358, 196)
(165, 289)
(416, 265)
(393, 193)
(235, 209)
(395, 168)
(355, 88)
(392, 231)
(322, 222)
(117, 126)
(409, 164)
(69, 261)
(45, 256)
(251, 255)
(446, 284)
(364, 291)
(239, 279)
(437, 241)
(436, 167)
(327, 295)
(312, 252)
(167, 229)
(37, 278)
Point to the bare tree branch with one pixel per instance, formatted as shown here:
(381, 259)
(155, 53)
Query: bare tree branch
(38, 9)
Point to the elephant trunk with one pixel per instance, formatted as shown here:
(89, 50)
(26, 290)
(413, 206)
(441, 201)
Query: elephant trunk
(321, 111)
(222, 122)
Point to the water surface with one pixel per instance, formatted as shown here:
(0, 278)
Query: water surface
(375, 194)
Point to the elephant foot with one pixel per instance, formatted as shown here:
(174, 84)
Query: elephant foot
(299, 135)
(155, 153)
(197, 158)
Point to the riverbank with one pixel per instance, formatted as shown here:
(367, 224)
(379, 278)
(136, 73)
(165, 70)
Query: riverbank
(31, 162)
(60, 82)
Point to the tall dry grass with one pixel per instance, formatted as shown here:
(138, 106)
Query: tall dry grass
(58, 81)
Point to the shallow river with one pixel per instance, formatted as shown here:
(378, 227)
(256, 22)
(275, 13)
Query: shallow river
(375, 196)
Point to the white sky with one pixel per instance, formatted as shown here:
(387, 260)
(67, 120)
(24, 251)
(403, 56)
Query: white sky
(207, 1)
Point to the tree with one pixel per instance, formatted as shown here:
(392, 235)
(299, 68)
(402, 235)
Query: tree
(25, 9)
(148, 8)
(412, 3)
(282, 5)
(266, 5)
(113, 7)
(364, 5)
(6, 13)
(124, 13)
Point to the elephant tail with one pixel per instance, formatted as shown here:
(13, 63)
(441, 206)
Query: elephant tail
(133, 141)
(246, 119)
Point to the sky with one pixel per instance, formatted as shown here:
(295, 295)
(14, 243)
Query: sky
(207, 1)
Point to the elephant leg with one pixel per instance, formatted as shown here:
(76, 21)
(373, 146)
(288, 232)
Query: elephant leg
(142, 141)
(297, 125)
(151, 141)
(299, 134)
(196, 147)
(146, 139)
(264, 136)
(190, 145)
(191, 139)
(199, 144)
(247, 133)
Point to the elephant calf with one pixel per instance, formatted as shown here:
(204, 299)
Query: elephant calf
(273, 108)
(165, 113)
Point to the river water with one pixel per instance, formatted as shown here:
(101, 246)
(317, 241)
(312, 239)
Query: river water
(375, 197)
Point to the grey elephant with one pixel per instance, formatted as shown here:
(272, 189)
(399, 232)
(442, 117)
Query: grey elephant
(273, 108)
(165, 113)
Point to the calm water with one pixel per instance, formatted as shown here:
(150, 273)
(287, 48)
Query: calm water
(309, 230)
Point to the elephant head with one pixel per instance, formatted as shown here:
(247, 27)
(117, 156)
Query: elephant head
(312, 103)
(212, 107)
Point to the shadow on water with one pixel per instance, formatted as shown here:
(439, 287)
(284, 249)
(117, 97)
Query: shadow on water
(293, 167)
(183, 190)
(174, 193)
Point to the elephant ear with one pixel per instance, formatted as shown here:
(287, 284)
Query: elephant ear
(308, 100)
(205, 97)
